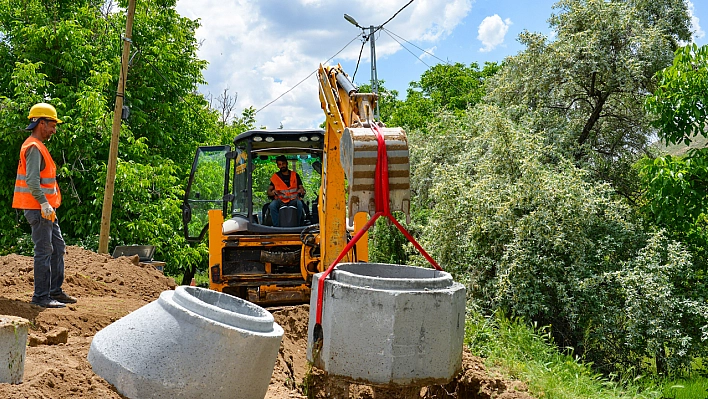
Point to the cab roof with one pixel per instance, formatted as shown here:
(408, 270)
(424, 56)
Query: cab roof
(277, 133)
(280, 141)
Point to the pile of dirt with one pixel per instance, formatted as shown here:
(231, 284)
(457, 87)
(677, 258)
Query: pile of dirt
(108, 289)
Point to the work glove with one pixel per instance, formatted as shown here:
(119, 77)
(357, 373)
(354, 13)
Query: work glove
(48, 211)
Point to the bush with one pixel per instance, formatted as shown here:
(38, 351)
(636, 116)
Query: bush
(533, 236)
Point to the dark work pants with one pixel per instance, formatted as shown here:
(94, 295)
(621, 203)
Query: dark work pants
(49, 248)
(275, 211)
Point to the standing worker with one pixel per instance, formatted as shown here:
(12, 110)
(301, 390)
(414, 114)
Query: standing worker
(37, 193)
(285, 186)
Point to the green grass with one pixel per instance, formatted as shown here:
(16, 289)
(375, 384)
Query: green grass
(528, 354)
(696, 388)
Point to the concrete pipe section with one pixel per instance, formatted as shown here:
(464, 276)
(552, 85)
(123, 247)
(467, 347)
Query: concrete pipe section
(190, 343)
(388, 325)
(13, 345)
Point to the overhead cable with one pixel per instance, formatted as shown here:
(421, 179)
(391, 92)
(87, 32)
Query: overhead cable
(306, 77)
(363, 43)
(419, 59)
(394, 16)
(391, 34)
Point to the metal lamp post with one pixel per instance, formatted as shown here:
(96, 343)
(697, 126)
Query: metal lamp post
(374, 77)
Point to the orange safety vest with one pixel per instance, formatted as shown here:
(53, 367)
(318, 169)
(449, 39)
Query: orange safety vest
(23, 198)
(288, 192)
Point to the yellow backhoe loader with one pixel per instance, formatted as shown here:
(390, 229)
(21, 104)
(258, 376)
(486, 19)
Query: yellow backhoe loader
(226, 197)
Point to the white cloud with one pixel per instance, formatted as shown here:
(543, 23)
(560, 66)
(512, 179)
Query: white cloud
(698, 33)
(491, 32)
(428, 53)
(261, 49)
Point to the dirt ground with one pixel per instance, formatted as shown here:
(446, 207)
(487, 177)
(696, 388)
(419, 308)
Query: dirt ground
(107, 289)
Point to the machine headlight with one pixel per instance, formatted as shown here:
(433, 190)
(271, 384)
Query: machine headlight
(257, 138)
(315, 138)
(303, 138)
(270, 139)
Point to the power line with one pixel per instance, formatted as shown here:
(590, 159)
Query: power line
(288, 91)
(371, 37)
(307, 77)
(394, 15)
(419, 59)
(363, 43)
(347, 45)
(391, 34)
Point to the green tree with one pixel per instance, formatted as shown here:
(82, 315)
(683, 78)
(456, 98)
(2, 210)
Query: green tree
(675, 190)
(674, 198)
(452, 87)
(68, 53)
(681, 97)
(524, 227)
(585, 89)
(455, 86)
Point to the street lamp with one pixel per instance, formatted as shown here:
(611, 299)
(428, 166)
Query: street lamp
(374, 77)
(352, 20)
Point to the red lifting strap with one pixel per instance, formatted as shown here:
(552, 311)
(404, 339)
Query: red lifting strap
(381, 198)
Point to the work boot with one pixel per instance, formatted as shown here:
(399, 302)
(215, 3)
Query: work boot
(48, 303)
(63, 297)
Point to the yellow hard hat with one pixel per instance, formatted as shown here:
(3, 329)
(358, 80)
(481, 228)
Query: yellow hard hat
(41, 111)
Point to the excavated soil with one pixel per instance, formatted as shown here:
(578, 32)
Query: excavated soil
(108, 289)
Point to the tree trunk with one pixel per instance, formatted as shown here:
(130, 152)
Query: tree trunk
(594, 117)
(188, 275)
(661, 366)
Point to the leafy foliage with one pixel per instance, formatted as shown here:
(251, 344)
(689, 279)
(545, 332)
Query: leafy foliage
(451, 87)
(585, 90)
(675, 198)
(654, 292)
(680, 99)
(675, 187)
(528, 232)
(387, 244)
(68, 54)
(441, 89)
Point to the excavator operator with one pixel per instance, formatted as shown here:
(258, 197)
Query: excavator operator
(285, 187)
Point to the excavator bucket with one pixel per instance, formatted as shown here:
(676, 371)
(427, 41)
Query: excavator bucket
(358, 154)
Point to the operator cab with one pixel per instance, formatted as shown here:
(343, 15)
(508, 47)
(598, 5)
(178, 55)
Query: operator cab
(237, 182)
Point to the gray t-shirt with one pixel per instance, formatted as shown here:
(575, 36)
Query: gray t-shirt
(35, 164)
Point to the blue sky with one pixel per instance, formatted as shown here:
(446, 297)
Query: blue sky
(263, 49)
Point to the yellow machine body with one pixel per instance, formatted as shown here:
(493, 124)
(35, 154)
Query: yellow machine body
(268, 265)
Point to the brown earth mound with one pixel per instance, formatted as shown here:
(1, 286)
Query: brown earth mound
(108, 289)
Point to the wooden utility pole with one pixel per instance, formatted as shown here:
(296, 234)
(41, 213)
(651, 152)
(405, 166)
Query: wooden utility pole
(115, 134)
